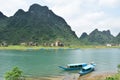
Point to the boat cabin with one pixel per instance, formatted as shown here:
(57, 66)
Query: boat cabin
(87, 68)
(79, 65)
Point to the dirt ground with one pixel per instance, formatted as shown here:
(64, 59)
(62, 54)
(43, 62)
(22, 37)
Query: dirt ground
(75, 77)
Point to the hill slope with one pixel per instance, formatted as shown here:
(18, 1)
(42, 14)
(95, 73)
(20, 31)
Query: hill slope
(38, 24)
(117, 39)
(98, 37)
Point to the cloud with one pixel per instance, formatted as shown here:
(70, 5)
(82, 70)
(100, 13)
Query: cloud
(86, 22)
(100, 20)
(9, 7)
(94, 16)
(110, 23)
(64, 8)
(109, 3)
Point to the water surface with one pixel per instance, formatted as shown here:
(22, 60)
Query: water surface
(45, 62)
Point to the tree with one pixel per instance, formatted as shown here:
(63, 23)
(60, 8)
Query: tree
(118, 68)
(14, 74)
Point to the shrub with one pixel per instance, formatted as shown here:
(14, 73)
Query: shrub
(118, 68)
(14, 74)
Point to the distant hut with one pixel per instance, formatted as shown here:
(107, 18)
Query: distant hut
(4, 44)
(58, 43)
(23, 44)
(46, 44)
(52, 44)
(108, 45)
(35, 44)
(30, 44)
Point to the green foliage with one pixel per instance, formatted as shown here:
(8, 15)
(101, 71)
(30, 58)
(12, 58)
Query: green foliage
(118, 68)
(97, 37)
(116, 76)
(14, 74)
(111, 78)
(117, 39)
(38, 24)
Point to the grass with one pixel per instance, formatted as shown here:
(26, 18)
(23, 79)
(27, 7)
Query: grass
(114, 77)
(20, 47)
(93, 46)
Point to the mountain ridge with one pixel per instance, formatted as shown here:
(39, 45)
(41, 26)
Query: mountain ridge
(2, 16)
(39, 25)
(99, 37)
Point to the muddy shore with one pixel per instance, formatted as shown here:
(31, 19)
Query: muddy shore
(91, 76)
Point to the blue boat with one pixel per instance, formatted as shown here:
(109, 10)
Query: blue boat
(87, 69)
(76, 66)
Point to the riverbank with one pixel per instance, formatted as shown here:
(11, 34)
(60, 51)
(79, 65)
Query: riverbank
(75, 77)
(19, 47)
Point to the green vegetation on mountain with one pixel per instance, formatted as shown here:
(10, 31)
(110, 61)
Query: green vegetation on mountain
(117, 39)
(3, 21)
(97, 37)
(84, 38)
(37, 25)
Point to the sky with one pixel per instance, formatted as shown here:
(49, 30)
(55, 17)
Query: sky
(81, 15)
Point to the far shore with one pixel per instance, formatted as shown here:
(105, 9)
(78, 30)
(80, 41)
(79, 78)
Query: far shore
(19, 47)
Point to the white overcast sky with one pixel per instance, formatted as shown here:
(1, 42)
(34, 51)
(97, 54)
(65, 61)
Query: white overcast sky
(81, 15)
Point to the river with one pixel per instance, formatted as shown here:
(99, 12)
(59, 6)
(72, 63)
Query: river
(45, 62)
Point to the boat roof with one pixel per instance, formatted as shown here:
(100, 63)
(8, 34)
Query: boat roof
(76, 64)
(88, 66)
